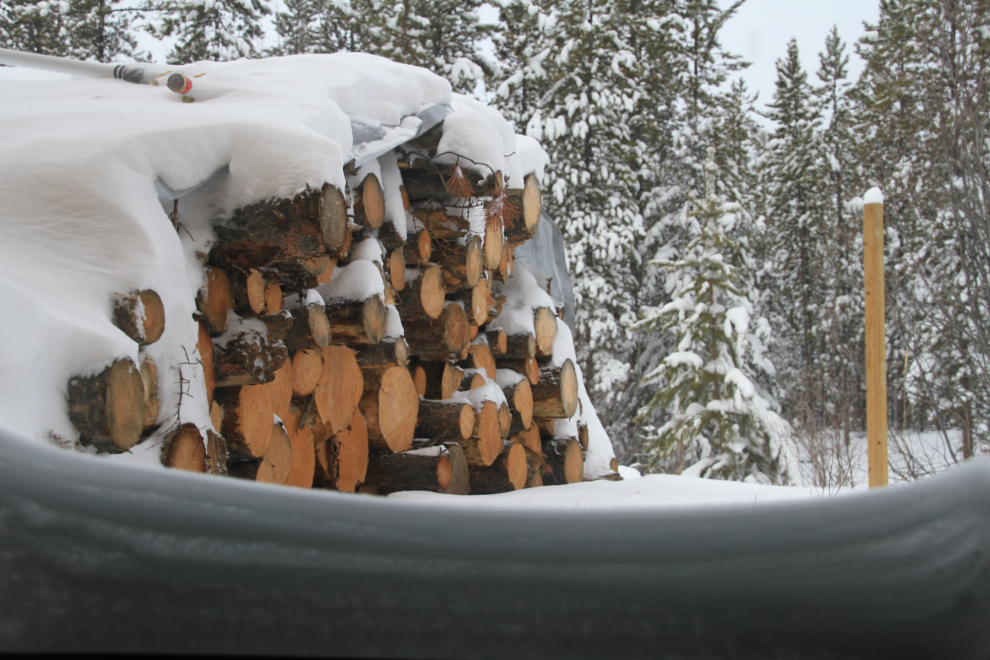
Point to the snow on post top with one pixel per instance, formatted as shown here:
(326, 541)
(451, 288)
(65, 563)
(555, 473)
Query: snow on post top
(873, 196)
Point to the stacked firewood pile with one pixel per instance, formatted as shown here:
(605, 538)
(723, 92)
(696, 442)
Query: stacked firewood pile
(339, 354)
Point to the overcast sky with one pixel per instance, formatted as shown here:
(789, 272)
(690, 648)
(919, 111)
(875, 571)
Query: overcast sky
(761, 29)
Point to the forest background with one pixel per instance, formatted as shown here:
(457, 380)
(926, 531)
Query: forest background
(716, 250)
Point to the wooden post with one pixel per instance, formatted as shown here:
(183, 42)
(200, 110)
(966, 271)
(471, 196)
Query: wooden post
(876, 345)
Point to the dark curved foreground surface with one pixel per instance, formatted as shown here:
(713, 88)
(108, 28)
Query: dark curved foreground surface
(101, 557)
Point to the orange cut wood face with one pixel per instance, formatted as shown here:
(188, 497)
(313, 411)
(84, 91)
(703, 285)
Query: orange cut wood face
(398, 408)
(340, 387)
(352, 454)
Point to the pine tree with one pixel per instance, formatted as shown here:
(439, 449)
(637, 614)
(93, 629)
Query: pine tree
(719, 422)
(35, 26)
(840, 323)
(921, 105)
(299, 27)
(215, 30)
(522, 43)
(796, 235)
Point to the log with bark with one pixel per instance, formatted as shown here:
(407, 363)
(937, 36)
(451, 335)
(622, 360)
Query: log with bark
(204, 345)
(416, 250)
(216, 453)
(273, 297)
(498, 341)
(357, 322)
(423, 296)
(388, 352)
(528, 367)
(424, 181)
(184, 449)
(519, 347)
(485, 443)
(473, 380)
(390, 405)
(312, 225)
(442, 379)
(507, 473)
(480, 358)
(247, 420)
(249, 291)
(141, 316)
(108, 408)
(530, 438)
(477, 301)
(564, 462)
(310, 328)
(248, 358)
(438, 339)
(504, 420)
(215, 300)
(438, 469)
(520, 399)
(451, 421)
(149, 378)
(556, 392)
(463, 265)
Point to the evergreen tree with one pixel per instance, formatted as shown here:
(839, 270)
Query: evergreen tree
(101, 31)
(921, 107)
(299, 27)
(840, 323)
(719, 423)
(215, 30)
(35, 26)
(796, 235)
(522, 43)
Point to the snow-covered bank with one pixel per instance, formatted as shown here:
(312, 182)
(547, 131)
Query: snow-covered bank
(91, 168)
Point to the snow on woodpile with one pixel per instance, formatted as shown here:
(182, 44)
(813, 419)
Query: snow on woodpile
(300, 273)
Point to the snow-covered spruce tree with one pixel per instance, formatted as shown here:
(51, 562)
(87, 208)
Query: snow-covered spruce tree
(796, 235)
(35, 26)
(299, 27)
(215, 30)
(921, 108)
(719, 425)
(679, 42)
(840, 323)
(587, 121)
(521, 45)
(101, 30)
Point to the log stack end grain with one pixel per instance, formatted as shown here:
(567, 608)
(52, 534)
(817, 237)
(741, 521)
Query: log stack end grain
(108, 408)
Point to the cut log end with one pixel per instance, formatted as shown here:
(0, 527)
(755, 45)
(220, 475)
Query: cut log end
(545, 324)
(276, 464)
(273, 298)
(204, 345)
(108, 409)
(340, 387)
(307, 366)
(247, 420)
(419, 379)
(141, 316)
(333, 219)
(397, 270)
(184, 449)
(373, 201)
(215, 300)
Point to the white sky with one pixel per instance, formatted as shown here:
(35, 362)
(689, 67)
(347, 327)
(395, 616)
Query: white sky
(760, 30)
